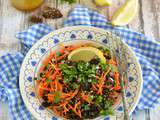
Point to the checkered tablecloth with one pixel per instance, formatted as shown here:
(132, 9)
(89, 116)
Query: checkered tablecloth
(146, 49)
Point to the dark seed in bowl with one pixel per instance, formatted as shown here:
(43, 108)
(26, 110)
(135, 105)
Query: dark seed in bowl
(71, 63)
(45, 98)
(61, 81)
(119, 91)
(35, 78)
(46, 104)
(86, 86)
(45, 68)
(41, 74)
(107, 56)
(65, 89)
(95, 61)
(99, 72)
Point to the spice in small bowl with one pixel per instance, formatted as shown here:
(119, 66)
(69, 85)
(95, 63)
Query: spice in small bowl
(50, 12)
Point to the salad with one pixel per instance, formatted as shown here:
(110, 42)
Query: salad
(79, 89)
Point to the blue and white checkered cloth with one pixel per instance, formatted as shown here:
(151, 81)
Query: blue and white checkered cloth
(147, 51)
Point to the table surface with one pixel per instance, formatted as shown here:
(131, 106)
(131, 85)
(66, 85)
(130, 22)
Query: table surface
(147, 21)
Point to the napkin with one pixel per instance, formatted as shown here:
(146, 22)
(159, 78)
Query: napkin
(146, 49)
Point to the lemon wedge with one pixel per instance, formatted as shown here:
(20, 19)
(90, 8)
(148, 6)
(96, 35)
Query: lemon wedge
(103, 2)
(125, 13)
(86, 54)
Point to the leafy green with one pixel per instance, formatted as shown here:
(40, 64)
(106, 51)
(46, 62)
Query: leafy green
(57, 96)
(103, 66)
(74, 85)
(91, 97)
(81, 72)
(107, 104)
(106, 108)
(107, 52)
(68, 70)
(58, 54)
(71, 71)
(103, 112)
(108, 111)
(49, 80)
(86, 107)
(66, 79)
(82, 66)
(98, 99)
(107, 91)
(92, 70)
(63, 66)
(81, 78)
(69, 1)
(94, 81)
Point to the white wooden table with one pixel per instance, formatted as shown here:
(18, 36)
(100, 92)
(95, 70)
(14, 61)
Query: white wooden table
(147, 21)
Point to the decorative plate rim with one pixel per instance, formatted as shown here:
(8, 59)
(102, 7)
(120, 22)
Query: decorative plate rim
(21, 81)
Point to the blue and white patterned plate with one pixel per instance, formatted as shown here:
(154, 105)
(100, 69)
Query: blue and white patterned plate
(75, 35)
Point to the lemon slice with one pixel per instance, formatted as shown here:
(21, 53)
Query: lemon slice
(103, 2)
(86, 54)
(125, 13)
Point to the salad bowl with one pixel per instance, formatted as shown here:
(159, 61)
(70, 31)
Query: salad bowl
(70, 36)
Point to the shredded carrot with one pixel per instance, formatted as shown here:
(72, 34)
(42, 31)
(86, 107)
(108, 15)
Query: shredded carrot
(40, 92)
(113, 62)
(54, 75)
(94, 87)
(77, 112)
(52, 65)
(62, 50)
(52, 86)
(97, 77)
(48, 73)
(65, 109)
(77, 104)
(50, 97)
(58, 86)
(70, 48)
(56, 111)
(46, 61)
(101, 82)
(63, 106)
(116, 76)
(43, 88)
(86, 97)
(65, 95)
(73, 94)
(62, 56)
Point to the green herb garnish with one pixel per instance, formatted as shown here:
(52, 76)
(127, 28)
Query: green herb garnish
(68, 1)
(103, 66)
(58, 54)
(109, 111)
(48, 80)
(57, 96)
(99, 99)
(86, 107)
